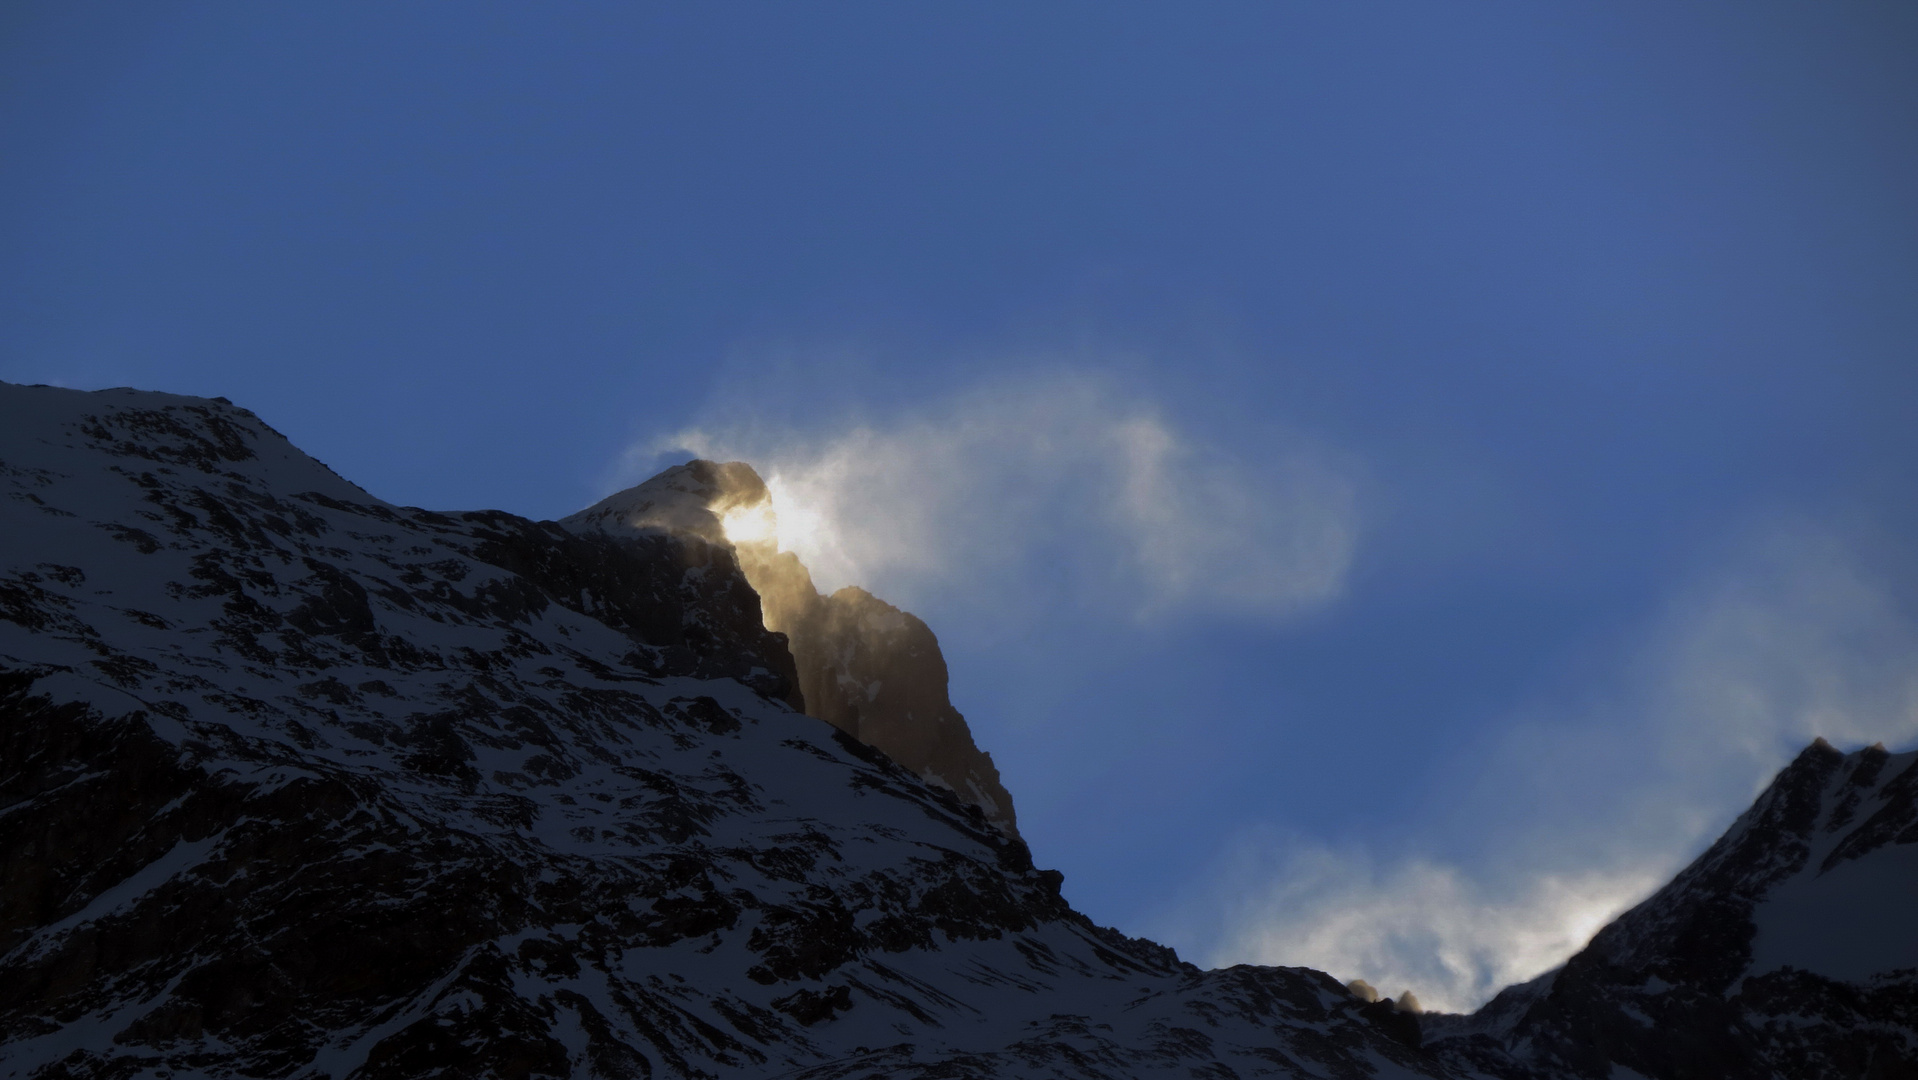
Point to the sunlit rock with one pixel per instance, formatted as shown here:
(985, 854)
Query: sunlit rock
(866, 667)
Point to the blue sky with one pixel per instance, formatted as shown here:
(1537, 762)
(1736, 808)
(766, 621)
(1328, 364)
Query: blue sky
(1421, 464)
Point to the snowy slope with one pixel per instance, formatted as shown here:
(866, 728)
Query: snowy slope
(296, 783)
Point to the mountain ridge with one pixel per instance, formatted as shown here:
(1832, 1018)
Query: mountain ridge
(302, 784)
(298, 783)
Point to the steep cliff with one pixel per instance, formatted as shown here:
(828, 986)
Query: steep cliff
(866, 667)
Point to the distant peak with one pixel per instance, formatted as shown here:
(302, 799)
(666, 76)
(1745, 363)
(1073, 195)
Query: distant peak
(1820, 749)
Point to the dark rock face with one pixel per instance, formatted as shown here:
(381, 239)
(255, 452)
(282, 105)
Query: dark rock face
(1788, 949)
(295, 783)
(864, 666)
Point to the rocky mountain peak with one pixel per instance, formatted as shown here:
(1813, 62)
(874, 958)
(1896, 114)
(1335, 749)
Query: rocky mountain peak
(866, 667)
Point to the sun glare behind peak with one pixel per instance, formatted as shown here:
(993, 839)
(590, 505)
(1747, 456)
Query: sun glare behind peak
(803, 528)
(794, 517)
(754, 524)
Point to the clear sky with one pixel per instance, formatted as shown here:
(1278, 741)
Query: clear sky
(1391, 479)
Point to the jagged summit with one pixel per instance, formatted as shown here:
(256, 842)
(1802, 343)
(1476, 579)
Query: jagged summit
(866, 667)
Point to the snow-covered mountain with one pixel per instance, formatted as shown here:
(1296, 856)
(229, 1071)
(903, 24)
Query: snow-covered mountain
(298, 783)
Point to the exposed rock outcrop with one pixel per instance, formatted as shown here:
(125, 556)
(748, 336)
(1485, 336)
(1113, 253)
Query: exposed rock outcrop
(864, 666)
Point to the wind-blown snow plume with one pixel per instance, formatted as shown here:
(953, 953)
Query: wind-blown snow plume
(1593, 799)
(1062, 473)
(1418, 924)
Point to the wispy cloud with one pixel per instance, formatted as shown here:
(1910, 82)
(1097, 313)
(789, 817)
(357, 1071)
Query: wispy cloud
(1062, 477)
(1588, 801)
